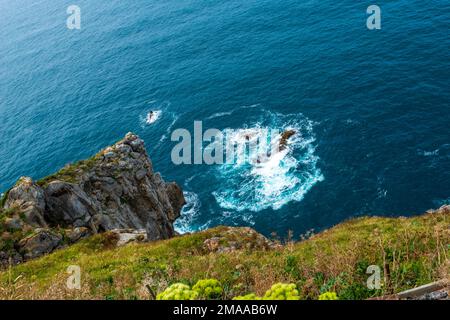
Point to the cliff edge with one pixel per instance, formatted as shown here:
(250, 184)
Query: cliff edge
(116, 189)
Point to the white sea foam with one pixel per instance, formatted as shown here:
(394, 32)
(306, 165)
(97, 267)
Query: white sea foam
(286, 175)
(219, 115)
(153, 116)
(251, 106)
(155, 111)
(184, 223)
(229, 113)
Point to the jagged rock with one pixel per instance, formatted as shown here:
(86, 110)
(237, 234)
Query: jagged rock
(67, 205)
(438, 290)
(4, 259)
(141, 174)
(115, 189)
(285, 136)
(233, 239)
(76, 234)
(176, 198)
(13, 224)
(437, 295)
(42, 242)
(29, 198)
(212, 244)
(442, 209)
(125, 236)
(10, 258)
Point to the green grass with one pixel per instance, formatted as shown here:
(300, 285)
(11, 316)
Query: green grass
(415, 250)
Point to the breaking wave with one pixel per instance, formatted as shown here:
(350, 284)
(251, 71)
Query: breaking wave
(286, 175)
(185, 223)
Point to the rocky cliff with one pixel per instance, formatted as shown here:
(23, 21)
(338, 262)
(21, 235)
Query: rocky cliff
(116, 189)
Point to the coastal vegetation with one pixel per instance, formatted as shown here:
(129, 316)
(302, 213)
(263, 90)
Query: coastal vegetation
(331, 264)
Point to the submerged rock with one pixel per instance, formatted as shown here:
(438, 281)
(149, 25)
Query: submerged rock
(116, 189)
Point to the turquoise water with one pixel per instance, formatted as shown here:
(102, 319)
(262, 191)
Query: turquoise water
(372, 107)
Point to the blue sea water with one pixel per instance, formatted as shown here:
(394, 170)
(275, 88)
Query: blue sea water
(372, 106)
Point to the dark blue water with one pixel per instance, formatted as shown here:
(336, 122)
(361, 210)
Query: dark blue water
(372, 107)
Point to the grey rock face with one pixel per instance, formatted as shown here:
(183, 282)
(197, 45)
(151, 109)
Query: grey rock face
(233, 239)
(29, 198)
(13, 224)
(125, 236)
(43, 242)
(76, 234)
(10, 258)
(67, 205)
(116, 189)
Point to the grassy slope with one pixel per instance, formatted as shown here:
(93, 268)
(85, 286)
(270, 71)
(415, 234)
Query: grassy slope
(415, 250)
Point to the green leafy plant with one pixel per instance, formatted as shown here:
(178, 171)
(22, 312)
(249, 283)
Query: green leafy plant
(208, 289)
(177, 291)
(282, 291)
(328, 296)
(291, 266)
(250, 296)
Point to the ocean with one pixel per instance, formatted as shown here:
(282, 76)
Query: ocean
(371, 107)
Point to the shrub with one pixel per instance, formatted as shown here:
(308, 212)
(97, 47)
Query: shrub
(208, 289)
(177, 291)
(282, 291)
(291, 267)
(356, 291)
(250, 296)
(328, 296)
